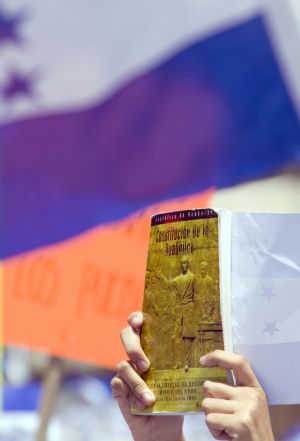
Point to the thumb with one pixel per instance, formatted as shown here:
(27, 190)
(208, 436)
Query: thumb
(241, 368)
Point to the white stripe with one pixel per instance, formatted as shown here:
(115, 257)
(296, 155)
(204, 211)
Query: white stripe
(85, 50)
(277, 194)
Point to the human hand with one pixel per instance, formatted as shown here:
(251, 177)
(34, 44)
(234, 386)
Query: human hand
(129, 388)
(235, 412)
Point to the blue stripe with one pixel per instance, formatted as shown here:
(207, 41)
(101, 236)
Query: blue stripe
(217, 113)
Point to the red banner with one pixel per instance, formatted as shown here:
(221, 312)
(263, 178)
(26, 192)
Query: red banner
(71, 299)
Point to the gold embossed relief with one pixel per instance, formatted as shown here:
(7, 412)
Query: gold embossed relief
(181, 308)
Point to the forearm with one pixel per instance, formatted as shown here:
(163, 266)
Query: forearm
(165, 437)
(283, 418)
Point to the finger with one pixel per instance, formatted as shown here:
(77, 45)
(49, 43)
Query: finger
(135, 319)
(119, 388)
(222, 426)
(219, 434)
(135, 383)
(122, 393)
(240, 366)
(132, 345)
(212, 389)
(217, 405)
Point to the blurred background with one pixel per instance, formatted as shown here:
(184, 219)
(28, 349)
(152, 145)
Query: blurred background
(111, 111)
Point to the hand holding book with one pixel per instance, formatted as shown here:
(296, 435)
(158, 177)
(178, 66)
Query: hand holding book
(235, 412)
(129, 389)
(232, 412)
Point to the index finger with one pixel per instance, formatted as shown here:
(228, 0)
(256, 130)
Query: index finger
(241, 368)
(131, 342)
(135, 319)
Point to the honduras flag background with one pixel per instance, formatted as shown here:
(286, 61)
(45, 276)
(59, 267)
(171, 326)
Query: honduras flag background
(111, 111)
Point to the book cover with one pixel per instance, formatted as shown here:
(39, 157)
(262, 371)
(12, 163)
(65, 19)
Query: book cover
(181, 307)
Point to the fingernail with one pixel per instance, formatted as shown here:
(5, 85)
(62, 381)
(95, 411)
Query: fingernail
(206, 385)
(136, 320)
(139, 404)
(148, 398)
(143, 365)
(203, 359)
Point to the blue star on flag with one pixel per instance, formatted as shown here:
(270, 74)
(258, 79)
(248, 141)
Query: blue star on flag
(18, 85)
(270, 328)
(9, 27)
(268, 293)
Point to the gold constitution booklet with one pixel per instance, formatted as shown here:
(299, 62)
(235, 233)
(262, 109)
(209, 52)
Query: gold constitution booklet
(246, 265)
(181, 307)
